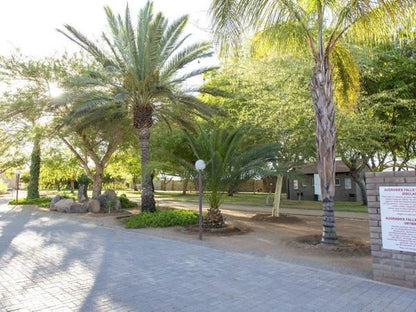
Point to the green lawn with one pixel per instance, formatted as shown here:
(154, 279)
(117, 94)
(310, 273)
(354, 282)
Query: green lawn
(259, 199)
(247, 199)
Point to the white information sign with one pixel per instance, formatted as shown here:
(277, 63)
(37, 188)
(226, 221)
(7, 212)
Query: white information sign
(398, 217)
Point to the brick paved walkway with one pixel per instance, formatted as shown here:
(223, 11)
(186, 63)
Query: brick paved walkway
(55, 262)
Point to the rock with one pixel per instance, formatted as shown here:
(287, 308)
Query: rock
(109, 200)
(102, 198)
(56, 199)
(93, 205)
(77, 208)
(64, 205)
(82, 194)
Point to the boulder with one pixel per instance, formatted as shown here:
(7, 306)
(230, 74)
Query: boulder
(93, 205)
(77, 208)
(56, 199)
(82, 194)
(109, 200)
(64, 205)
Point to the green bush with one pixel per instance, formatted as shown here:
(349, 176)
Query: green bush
(163, 219)
(126, 203)
(3, 187)
(41, 202)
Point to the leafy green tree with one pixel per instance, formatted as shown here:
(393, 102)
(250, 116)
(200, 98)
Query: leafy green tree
(93, 140)
(150, 62)
(26, 105)
(319, 26)
(389, 98)
(11, 155)
(59, 167)
(359, 137)
(228, 164)
(173, 155)
(268, 96)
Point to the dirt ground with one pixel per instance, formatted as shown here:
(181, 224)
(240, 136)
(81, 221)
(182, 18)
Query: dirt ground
(288, 238)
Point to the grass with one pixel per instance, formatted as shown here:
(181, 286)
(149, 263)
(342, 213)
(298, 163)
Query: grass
(41, 202)
(126, 203)
(163, 218)
(244, 199)
(259, 199)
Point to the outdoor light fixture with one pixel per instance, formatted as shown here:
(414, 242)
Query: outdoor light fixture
(200, 166)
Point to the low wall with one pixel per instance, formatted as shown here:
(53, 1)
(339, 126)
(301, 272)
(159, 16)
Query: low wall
(391, 266)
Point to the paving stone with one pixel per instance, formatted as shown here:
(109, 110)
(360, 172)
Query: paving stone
(54, 262)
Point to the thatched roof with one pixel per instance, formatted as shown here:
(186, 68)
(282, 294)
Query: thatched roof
(340, 168)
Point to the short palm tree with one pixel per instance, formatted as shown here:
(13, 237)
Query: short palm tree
(229, 163)
(151, 62)
(318, 25)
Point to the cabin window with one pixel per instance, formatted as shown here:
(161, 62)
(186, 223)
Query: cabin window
(347, 183)
(337, 182)
(295, 184)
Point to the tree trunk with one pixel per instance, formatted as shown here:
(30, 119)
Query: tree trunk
(185, 186)
(33, 186)
(358, 178)
(72, 185)
(277, 194)
(323, 104)
(135, 188)
(148, 200)
(97, 183)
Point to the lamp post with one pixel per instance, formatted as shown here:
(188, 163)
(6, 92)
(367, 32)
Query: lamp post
(200, 166)
(17, 185)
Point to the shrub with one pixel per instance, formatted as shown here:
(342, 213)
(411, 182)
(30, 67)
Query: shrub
(126, 203)
(41, 202)
(163, 219)
(3, 187)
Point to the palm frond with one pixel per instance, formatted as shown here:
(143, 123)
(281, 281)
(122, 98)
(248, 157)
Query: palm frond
(77, 37)
(346, 77)
(185, 57)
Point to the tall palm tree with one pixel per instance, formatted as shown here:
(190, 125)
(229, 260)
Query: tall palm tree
(151, 61)
(318, 25)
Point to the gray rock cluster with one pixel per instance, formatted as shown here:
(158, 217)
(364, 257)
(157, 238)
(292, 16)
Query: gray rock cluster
(107, 202)
(61, 204)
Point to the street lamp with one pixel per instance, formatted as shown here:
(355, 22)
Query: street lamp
(200, 166)
(17, 185)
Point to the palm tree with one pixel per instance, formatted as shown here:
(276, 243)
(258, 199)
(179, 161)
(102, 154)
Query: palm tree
(150, 61)
(318, 25)
(229, 163)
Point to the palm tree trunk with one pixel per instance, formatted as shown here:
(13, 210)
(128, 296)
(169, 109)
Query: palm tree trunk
(33, 186)
(323, 104)
(148, 200)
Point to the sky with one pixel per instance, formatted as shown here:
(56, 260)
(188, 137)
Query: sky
(30, 25)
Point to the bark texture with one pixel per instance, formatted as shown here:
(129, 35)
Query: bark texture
(33, 186)
(97, 181)
(277, 194)
(323, 104)
(142, 122)
(148, 200)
